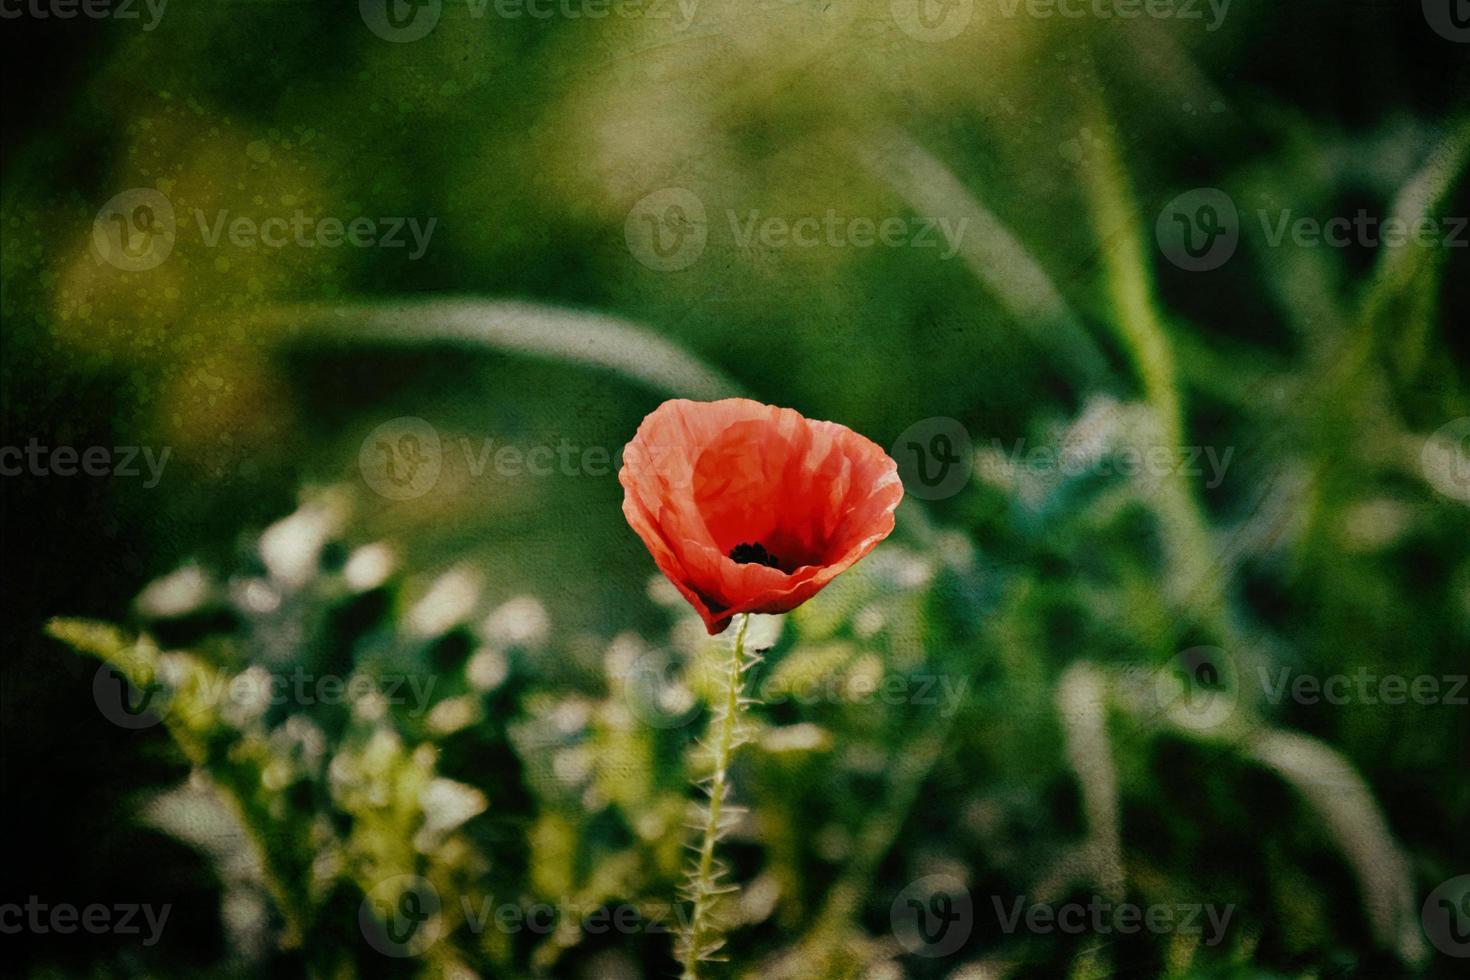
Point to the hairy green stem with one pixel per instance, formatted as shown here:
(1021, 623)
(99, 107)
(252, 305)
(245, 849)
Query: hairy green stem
(703, 936)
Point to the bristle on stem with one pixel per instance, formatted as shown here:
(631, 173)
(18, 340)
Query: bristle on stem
(702, 938)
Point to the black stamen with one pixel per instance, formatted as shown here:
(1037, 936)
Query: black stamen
(754, 554)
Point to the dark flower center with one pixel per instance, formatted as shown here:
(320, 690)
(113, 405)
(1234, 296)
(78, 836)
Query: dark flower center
(754, 554)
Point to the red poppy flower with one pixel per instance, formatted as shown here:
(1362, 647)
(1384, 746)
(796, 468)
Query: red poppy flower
(753, 508)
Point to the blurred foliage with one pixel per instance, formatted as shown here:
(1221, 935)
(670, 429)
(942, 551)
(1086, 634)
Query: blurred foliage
(516, 722)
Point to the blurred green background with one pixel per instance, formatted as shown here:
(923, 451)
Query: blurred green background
(616, 204)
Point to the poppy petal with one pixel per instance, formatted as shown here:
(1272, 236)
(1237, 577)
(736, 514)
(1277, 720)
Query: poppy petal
(752, 508)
